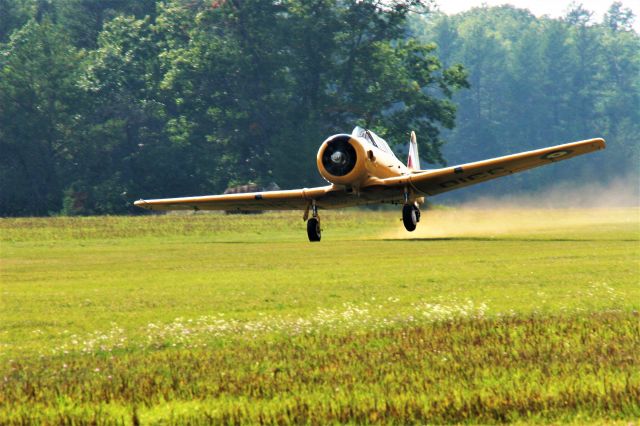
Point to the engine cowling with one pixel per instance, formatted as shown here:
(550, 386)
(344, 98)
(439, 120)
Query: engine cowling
(341, 160)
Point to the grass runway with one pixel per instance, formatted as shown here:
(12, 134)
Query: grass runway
(478, 317)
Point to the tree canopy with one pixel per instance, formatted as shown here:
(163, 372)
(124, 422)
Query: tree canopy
(103, 102)
(537, 82)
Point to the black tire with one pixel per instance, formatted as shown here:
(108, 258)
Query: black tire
(313, 229)
(410, 217)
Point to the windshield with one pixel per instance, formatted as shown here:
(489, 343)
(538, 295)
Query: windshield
(372, 138)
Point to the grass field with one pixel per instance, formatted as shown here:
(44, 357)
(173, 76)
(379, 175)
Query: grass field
(478, 317)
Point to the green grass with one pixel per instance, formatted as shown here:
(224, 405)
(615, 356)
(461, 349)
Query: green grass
(478, 317)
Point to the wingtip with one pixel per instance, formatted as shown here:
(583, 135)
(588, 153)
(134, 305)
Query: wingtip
(141, 203)
(594, 143)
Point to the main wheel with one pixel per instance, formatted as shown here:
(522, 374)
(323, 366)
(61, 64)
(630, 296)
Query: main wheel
(410, 214)
(313, 229)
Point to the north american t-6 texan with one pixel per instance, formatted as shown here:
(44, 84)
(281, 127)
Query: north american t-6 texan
(362, 169)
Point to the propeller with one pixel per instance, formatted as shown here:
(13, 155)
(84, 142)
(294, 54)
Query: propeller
(339, 157)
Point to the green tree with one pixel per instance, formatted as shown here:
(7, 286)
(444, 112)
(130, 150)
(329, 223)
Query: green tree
(13, 15)
(540, 81)
(619, 101)
(261, 84)
(85, 19)
(105, 101)
(38, 106)
(122, 141)
(482, 50)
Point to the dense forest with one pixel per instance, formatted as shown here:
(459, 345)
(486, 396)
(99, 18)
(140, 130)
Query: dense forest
(536, 82)
(104, 102)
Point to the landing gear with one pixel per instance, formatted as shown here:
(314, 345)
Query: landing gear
(410, 216)
(313, 224)
(313, 229)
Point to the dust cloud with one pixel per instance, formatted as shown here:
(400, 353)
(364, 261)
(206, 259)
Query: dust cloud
(623, 192)
(560, 208)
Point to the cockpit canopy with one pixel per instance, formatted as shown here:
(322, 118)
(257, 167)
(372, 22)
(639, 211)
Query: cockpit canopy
(372, 138)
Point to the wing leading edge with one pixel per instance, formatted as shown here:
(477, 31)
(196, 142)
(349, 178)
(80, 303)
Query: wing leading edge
(297, 199)
(433, 182)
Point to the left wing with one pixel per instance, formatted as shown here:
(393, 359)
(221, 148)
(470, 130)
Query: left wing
(433, 182)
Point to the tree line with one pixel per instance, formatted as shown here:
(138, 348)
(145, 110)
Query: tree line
(536, 82)
(103, 102)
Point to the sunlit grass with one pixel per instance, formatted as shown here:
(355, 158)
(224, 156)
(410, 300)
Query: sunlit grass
(510, 316)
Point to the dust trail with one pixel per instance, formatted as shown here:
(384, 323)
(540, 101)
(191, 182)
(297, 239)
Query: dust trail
(469, 222)
(621, 192)
(561, 208)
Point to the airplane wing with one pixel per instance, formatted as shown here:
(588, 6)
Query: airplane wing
(297, 199)
(433, 182)
(429, 182)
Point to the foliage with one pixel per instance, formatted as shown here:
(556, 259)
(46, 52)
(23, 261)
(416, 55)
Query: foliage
(179, 97)
(536, 82)
(38, 114)
(155, 319)
(104, 102)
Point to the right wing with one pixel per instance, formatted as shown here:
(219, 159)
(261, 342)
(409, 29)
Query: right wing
(433, 182)
(295, 199)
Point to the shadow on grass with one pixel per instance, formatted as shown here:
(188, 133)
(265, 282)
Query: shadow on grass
(503, 239)
(328, 240)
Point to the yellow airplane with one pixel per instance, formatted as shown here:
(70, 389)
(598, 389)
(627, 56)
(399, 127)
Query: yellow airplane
(362, 169)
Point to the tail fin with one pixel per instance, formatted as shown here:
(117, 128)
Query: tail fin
(413, 162)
